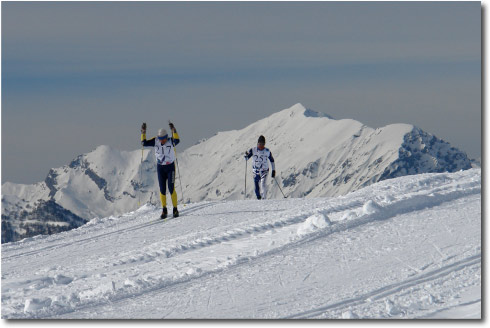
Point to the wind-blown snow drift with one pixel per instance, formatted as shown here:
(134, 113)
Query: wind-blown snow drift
(408, 247)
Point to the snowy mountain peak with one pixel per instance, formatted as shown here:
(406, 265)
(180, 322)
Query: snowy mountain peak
(311, 113)
(293, 110)
(315, 156)
(307, 112)
(297, 111)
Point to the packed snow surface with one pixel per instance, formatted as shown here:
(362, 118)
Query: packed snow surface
(408, 247)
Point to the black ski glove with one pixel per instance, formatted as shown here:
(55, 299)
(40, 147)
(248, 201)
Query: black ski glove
(273, 173)
(172, 127)
(143, 128)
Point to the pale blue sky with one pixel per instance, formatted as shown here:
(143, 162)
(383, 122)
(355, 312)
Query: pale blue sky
(78, 75)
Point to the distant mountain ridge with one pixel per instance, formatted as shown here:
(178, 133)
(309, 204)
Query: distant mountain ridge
(315, 154)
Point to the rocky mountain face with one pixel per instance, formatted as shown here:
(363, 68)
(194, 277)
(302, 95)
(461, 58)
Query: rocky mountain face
(45, 218)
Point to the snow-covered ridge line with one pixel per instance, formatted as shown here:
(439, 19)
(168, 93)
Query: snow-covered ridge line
(316, 156)
(438, 183)
(166, 263)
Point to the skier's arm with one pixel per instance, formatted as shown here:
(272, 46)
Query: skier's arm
(147, 143)
(175, 136)
(144, 142)
(248, 154)
(271, 159)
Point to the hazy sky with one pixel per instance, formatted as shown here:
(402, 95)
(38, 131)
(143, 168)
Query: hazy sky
(76, 75)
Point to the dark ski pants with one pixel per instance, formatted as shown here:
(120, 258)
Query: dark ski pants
(166, 175)
(260, 180)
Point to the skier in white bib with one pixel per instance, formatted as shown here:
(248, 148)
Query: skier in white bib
(165, 155)
(260, 166)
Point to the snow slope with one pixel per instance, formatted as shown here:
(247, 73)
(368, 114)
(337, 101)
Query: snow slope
(408, 247)
(315, 156)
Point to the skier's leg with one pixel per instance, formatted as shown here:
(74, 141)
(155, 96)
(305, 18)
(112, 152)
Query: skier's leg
(174, 198)
(257, 187)
(263, 185)
(162, 181)
(171, 188)
(163, 199)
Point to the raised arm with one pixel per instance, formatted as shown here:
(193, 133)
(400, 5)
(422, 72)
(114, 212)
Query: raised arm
(175, 135)
(144, 142)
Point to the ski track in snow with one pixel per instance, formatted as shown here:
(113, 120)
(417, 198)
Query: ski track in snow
(129, 229)
(107, 267)
(392, 289)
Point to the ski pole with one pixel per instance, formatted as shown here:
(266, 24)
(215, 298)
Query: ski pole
(141, 175)
(178, 170)
(279, 187)
(180, 177)
(143, 137)
(246, 179)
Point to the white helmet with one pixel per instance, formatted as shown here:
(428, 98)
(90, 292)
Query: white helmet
(162, 134)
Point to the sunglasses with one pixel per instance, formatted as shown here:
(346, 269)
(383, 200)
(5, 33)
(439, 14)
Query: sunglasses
(163, 138)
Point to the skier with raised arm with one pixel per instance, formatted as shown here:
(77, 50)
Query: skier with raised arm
(165, 156)
(260, 166)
